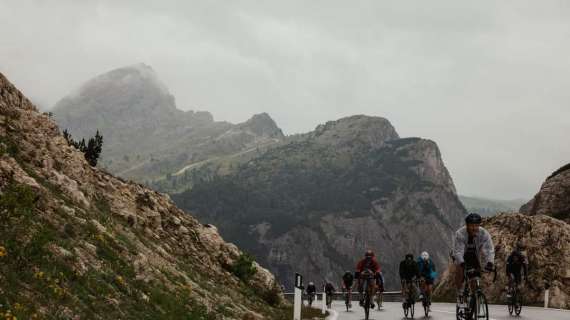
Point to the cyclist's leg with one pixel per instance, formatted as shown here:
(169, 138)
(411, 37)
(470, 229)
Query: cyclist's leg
(459, 281)
(360, 295)
(518, 280)
(511, 285)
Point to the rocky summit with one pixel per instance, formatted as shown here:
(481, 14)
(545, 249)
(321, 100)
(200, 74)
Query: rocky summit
(315, 203)
(547, 242)
(146, 136)
(553, 199)
(78, 243)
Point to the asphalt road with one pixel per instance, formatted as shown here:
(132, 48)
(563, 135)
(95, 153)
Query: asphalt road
(440, 311)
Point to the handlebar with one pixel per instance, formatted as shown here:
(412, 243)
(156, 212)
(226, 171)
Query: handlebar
(474, 270)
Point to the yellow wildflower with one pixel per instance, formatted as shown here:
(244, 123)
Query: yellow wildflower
(39, 275)
(120, 280)
(3, 252)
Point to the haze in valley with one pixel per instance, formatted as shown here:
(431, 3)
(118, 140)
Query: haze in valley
(487, 80)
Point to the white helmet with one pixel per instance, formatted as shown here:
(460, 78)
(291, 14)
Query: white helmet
(425, 255)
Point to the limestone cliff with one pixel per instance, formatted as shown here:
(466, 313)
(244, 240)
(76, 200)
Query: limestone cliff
(78, 243)
(547, 242)
(553, 199)
(315, 204)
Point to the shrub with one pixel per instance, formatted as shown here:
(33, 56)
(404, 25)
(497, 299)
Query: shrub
(272, 296)
(18, 199)
(243, 268)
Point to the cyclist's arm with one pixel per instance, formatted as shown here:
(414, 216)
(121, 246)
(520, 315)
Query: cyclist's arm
(417, 270)
(488, 249)
(459, 247)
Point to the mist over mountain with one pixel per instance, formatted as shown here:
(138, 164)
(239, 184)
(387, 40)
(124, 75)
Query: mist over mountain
(146, 135)
(490, 207)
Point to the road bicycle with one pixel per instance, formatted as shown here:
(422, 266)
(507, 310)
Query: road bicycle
(409, 298)
(426, 299)
(515, 301)
(368, 290)
(347, 296)
(473, 301)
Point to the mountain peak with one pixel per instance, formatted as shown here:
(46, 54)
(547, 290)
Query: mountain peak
(263, 125)
(365, 130)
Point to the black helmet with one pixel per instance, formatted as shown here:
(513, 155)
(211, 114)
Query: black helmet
(410, 256)
(473, 218)
(369, 254)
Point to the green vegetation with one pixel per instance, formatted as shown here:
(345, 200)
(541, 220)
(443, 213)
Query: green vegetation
(7, 146)
(243, 268)
(296, 184)
(33, 277)
(306, 313)
(92, 149)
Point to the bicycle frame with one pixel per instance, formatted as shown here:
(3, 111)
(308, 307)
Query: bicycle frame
(473, 294)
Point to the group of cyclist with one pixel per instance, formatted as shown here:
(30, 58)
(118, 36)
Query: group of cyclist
(473, 250)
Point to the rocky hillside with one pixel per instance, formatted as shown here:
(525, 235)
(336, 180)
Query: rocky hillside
(553, 199)
(490, 207)
(547, 243)
(315, 204)
(78, 243)
(146, 136)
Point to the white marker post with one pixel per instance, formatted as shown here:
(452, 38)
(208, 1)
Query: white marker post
(546, 293)
(297, 301)
(324, 308)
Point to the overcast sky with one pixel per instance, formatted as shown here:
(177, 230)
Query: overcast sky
(489, 81)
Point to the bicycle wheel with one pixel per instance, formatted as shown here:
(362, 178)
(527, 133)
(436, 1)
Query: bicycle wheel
(459, 313)
(412, 311)
(406, 309)
(518, 303)
(510, 306)
(481, 308)
(366, 306)
(426, 306)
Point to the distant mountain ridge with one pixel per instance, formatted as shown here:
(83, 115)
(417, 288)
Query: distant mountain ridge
(146, 136)
(348, 185)
(490, 207)
(316, 203)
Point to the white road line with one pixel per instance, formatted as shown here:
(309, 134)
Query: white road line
(542, 308)
(451, 312)
(333, 315)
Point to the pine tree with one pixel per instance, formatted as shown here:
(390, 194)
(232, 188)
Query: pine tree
(91, 150)
(94, 148)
